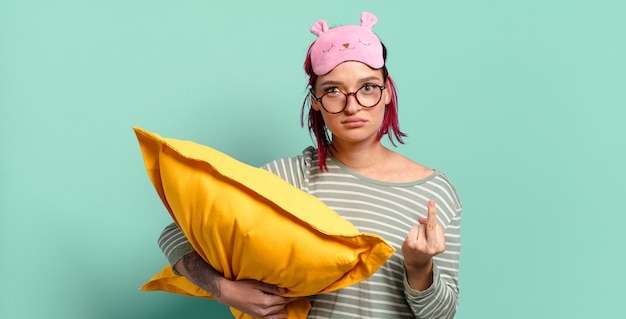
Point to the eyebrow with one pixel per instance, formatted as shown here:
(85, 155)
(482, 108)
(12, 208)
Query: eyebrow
(363, 80)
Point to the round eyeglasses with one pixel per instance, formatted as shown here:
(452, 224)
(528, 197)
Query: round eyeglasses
(335, 101)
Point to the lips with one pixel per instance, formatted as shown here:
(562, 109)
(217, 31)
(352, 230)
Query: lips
(353, 122)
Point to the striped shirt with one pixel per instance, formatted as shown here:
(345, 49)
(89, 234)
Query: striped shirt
(385, 209)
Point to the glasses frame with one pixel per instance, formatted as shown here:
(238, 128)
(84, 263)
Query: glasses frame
(347, 95)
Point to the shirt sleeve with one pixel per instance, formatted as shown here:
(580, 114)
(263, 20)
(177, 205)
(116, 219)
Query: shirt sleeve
(174, 244)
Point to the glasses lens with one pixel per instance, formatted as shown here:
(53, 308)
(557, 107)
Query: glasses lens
(334, 102)
(369, 95)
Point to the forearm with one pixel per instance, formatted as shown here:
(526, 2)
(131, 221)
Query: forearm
(187, 262)
(439, 300)
(248, 296)
(420, 278)
(199, 272)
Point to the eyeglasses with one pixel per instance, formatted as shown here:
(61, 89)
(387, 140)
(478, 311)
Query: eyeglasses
(335, 101)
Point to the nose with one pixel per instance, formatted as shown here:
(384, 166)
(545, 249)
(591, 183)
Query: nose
(346, 45)
(352, 105)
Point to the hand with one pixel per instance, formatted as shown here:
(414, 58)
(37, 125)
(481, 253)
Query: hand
(255, 298)
(422, 243)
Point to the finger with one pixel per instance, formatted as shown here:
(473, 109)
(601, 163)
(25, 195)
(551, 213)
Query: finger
(430, 206)
(278, 303)
(279, 311)
(276, 310)
(282, 315)
(421, 233)
(412, 233)
(271, 289)
(287, 301)
(431, 224)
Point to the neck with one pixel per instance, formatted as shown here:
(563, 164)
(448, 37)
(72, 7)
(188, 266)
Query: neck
(359, 155)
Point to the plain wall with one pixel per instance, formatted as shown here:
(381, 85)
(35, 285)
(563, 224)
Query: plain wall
(521, 103)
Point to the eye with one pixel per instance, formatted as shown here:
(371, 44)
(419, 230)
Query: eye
(331, 90)
(368, 88)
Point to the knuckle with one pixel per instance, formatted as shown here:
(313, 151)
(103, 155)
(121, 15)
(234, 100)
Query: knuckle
(264, 312)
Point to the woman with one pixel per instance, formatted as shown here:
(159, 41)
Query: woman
(375, 188)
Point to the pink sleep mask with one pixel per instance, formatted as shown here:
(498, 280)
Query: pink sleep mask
(346, 43)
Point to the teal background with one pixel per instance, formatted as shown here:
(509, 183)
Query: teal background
(521, 103)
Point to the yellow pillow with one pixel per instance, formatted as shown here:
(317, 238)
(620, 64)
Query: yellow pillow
(250, 224)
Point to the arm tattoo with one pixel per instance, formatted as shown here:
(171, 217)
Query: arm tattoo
(202, 274)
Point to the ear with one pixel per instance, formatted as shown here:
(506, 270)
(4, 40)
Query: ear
(387, 94)
(314, 104)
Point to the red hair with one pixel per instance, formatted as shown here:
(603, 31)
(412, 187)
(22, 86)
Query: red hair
(317, 127)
